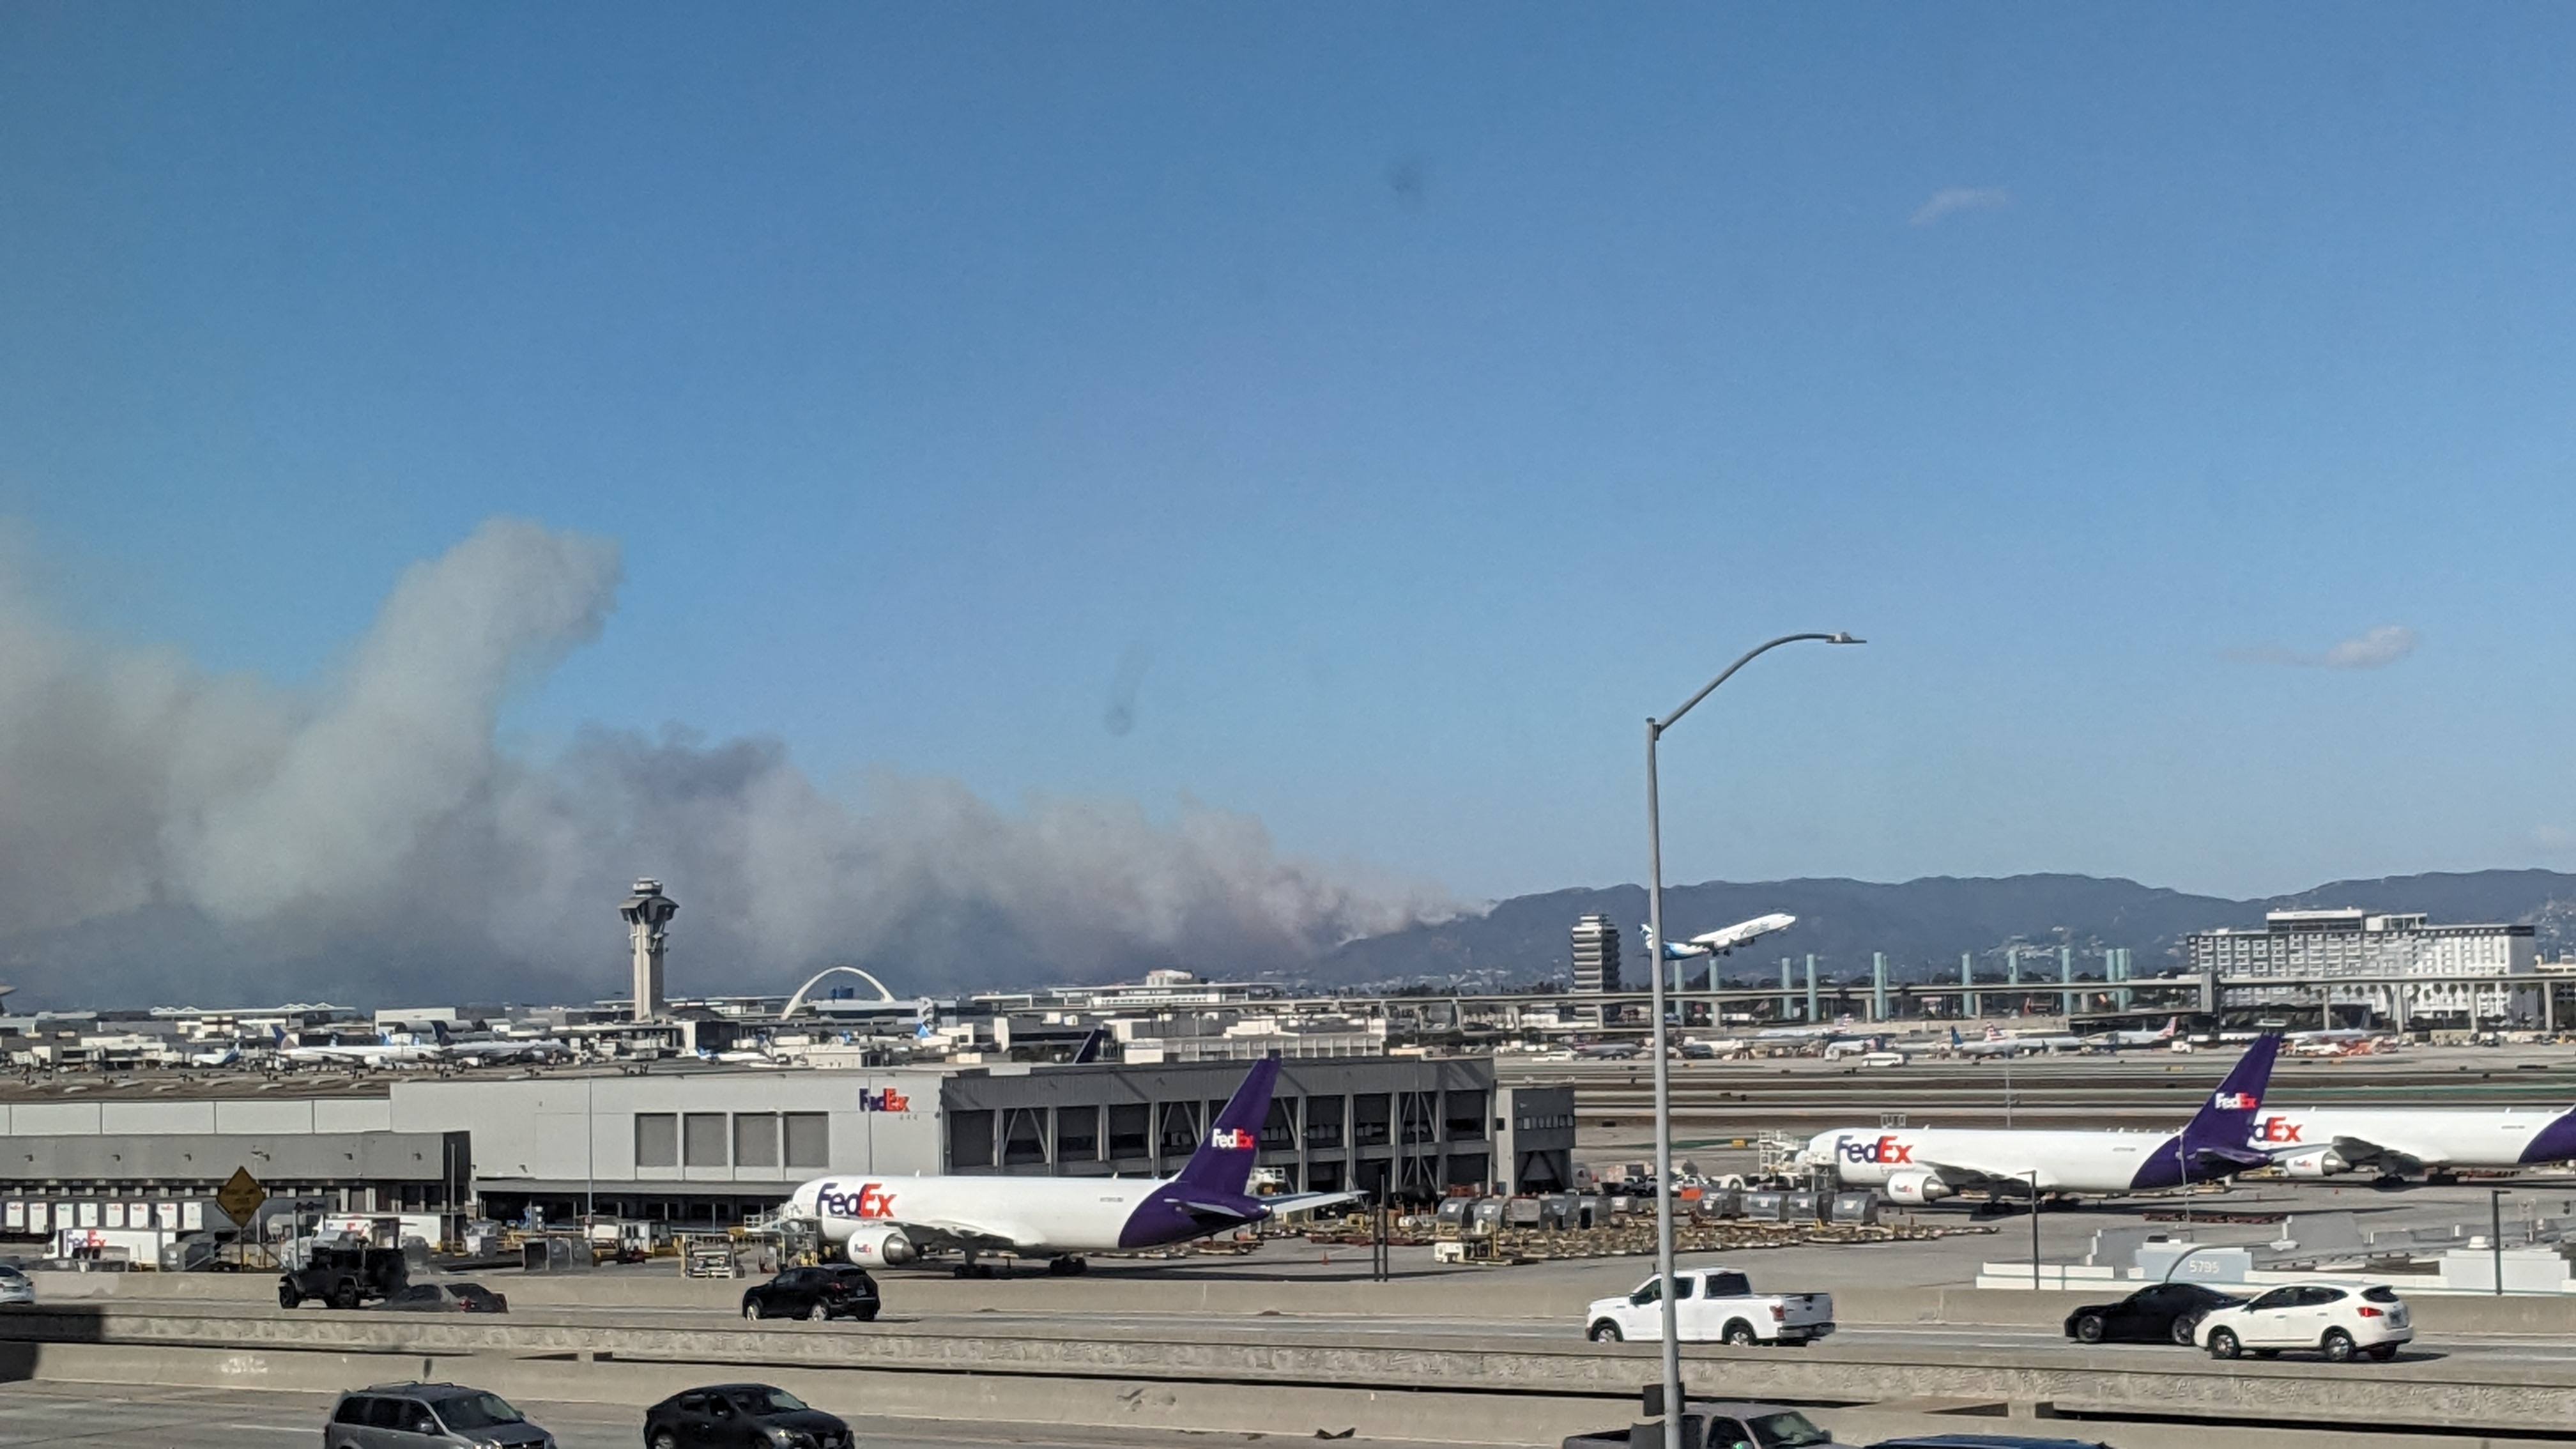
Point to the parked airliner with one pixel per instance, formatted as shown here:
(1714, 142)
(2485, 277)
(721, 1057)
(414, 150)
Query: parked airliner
(1921, 1164)
(2398, 1142)
(898, 1219)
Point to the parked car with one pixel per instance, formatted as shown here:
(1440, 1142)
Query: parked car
(2337, 1319)
(755, 1416)
(2161, 1313)
(1716, 1424)
(446, 1298)
(840, 1291)
(1715, 1305)
(415, 1416)
(16, 1287)
(344, 1277)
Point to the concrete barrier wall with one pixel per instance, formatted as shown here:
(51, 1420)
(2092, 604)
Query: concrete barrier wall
(1321, 1378)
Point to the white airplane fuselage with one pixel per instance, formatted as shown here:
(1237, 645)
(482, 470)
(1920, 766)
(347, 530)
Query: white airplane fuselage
(2302, 1138)
(1038, 1214)
(2071, 1160)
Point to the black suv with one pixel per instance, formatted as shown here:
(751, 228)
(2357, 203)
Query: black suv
(841, 1290)
(344, 1277)
(421, 1416)
(755, 1416)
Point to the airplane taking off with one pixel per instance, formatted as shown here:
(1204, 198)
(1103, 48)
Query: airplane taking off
(1722, 941)
(2397, 1142)
(1922, 1164)
(898, 1219)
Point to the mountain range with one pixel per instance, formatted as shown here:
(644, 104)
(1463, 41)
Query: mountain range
(1923, 926)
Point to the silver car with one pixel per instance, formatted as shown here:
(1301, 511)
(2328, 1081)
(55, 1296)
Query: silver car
(415, 1416)
(16, 1287)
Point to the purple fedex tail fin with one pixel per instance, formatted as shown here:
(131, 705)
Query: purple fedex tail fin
(1223, 1162)
(2218, 1135)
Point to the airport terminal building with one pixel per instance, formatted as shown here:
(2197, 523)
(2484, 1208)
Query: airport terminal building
(712, 1145)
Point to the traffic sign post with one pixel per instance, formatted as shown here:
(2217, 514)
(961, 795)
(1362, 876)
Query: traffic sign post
(241, 1196)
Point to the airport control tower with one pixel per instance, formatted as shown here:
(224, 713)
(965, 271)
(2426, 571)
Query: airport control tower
(648, 915)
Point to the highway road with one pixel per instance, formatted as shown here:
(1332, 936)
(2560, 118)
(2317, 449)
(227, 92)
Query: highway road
(155, 1418)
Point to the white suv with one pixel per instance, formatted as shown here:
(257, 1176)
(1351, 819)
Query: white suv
(2337, 1319)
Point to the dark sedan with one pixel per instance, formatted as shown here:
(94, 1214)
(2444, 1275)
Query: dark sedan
(445, 1298)
(2164, 1313)
(751, 1416)
(838, 1291)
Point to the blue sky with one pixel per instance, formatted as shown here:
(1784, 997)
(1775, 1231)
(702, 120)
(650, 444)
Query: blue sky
(1406, 401)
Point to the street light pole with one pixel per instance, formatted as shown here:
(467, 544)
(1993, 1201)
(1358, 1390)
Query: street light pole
(1663, 1067)
(2495, 1235)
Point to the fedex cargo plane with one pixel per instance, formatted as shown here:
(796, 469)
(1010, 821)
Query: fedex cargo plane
(1921, 1164)
(898, 1219)
(2397, 1142)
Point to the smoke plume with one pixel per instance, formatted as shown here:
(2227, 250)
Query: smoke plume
(178, 836)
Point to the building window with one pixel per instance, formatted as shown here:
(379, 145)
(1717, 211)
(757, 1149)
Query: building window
(755, 1139)
(1466, 1116)
(1077, 1134)
(809, 1139)
(1323, 1121)
(657, 1139)
(970, 1139)
(1180, 1129)
(702, 1139)
(1024, 1136)
(1279, 1129)
(1130, 1125)
(1369, 1118)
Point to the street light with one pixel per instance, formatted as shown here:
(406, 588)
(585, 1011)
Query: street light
(1663, 1069)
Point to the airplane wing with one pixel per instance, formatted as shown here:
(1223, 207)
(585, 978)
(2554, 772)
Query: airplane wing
(1300, 1202)
(957, 1235)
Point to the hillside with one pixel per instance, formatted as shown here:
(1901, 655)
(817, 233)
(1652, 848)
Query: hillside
(1923, 925)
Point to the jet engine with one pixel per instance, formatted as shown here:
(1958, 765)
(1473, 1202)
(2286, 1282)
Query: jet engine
(1916, 1187)
(869, 1247)
(2322, 1162)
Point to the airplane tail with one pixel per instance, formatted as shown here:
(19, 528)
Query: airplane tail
(2173, 1027)
(2226, 1122)
(1223, 1162)
(1955, 1043)
(1089, 1051)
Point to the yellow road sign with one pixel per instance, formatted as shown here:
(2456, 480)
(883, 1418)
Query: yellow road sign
(241, 1196)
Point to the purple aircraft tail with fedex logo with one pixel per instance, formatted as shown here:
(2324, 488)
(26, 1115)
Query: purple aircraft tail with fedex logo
(1209, 1195)
(2217, 1141)
(1223, 1162)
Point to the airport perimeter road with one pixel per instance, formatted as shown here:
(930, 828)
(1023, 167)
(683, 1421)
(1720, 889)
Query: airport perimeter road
(147, 1418)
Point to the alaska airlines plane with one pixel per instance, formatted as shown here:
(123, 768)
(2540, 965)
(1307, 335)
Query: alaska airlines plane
(898, 1219)
(1921, 1164)
(2395, 1142)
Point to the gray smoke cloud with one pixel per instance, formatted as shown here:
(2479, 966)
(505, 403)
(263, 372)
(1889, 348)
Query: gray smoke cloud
(181, 836)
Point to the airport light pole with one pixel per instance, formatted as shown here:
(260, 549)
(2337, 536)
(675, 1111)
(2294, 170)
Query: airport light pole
(1663, 1068)
(2495, 1235)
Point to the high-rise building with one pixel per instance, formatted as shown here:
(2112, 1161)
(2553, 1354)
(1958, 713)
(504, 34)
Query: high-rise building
(1596, 954)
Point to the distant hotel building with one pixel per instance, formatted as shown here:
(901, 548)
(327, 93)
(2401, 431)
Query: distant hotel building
(1596, 954)
(2325, 944)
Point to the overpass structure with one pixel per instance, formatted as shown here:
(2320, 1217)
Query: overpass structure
(1880, 1002)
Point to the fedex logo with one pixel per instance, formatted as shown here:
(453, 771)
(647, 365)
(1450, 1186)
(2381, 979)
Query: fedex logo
(870, 1201)
(1230, 1139)
(2236, 1102)
(1885, 1151)
(888, 1100)
(2277, 1129)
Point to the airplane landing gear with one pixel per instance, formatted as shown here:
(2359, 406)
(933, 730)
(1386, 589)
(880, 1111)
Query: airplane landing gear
(1066, 1267)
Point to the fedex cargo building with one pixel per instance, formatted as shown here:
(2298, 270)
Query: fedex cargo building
(709, 1145)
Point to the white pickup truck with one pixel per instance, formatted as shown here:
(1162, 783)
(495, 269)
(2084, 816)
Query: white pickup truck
(1715, 1305)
